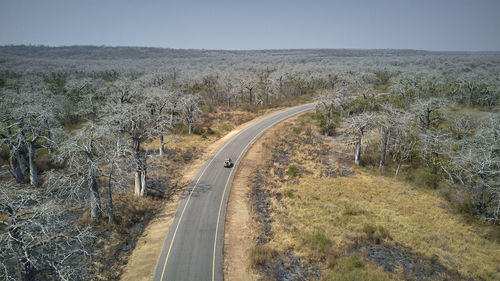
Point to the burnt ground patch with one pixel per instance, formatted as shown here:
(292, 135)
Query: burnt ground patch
(413, 265)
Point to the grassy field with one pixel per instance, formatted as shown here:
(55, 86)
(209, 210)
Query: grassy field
(353, 224)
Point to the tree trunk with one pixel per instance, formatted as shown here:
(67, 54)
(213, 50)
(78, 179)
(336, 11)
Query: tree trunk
(468, 101)
(327, 129)
(383, 151)
(399, 166)
(137, 190)
(281, 86)
(250, 96)
(161, 146)
(144, 187)
(172, 117)
(118, 145)
(95, 198)
(32, 164)
(434, 164)
(111, 213)
(357, 155)
(23, 157)
(14, 164)
(191, 126)
(29, 270)
(235, 101)
(479, 200)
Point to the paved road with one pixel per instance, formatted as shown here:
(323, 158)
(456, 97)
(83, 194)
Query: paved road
(193, 247)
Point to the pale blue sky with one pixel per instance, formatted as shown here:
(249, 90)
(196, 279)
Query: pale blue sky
(467, 25)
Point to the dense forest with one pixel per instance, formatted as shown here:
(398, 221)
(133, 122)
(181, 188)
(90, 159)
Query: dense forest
(75, 122)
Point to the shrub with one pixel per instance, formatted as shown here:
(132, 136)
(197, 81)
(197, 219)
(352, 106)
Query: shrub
(318, 241)
(423, 177)
(293, 171)
(375, 233)
(466, 208)
(297, 130)
(354, 261)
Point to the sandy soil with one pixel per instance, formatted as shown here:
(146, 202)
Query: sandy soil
(142, 262)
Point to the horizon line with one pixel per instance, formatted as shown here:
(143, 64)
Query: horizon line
(242, 50)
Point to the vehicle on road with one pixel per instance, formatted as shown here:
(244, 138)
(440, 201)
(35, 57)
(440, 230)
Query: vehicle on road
(228, 163)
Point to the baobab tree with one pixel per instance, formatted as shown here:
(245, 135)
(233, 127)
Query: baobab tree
(84, 154)
(404, 140)
(471, 83)
(121, 94)
(357, 125)
(39, 239)
(190, 105)
(385, 121)
(137, 128)
(477, 166)
(326, 100)
(28, 123)
(158, 102)
(428, 112)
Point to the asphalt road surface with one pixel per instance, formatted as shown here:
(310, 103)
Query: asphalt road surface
(193, 247)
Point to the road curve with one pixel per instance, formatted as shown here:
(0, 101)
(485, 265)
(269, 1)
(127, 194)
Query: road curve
(193, 247)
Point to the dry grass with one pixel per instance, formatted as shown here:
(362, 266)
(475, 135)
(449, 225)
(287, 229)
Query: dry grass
(413, 217)
(324, 219)
(261, 255)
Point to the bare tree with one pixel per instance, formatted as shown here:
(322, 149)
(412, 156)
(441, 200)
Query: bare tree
(404, 140)
(122, 94)
(28, 123)
(39, 239)
(158, 102)
(428, 112)
(385, 122)
(356, 127)
(326, 99)
(191, 110)
(477, 166)
(471, 83)
(84, 153)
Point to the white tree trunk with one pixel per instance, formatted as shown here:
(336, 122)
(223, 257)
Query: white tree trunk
(144, 187)
(137, 190)
(357, 155)
(32, 164)
(118, 145)
(161, 146)
(399, 166)
(95, 198)
(191, 126)
(383, 151)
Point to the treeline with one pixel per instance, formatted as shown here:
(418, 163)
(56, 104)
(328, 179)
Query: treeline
(446, 128)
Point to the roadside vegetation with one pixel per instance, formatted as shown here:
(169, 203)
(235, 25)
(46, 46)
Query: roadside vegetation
(334, 220)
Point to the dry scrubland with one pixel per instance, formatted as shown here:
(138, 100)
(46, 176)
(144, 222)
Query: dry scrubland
(324, 218)
(81, 123)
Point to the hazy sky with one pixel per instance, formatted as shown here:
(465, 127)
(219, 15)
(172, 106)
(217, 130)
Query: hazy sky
(469, 25)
